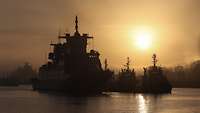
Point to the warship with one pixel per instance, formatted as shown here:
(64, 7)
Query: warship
(154, 80)
(71, 68)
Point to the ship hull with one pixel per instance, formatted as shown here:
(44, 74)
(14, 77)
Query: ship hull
(157, 84)
(65, 86)
(53, 85)
(78, 85)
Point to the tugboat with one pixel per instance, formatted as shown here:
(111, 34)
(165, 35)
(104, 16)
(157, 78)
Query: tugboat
(154, 80)
(71, 68)
(127, 79)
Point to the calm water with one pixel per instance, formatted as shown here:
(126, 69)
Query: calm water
(23, 100)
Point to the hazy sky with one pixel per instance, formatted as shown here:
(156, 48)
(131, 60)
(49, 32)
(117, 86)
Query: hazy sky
(28, 26)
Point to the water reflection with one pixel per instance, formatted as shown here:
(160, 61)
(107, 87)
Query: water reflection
(28, 101)
(142, 103)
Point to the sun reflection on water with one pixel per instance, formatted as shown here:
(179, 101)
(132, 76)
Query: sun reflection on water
(142, 104)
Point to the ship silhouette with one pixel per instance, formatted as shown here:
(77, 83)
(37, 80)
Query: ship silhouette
(125, 80)
(154, 81)
(71, 68)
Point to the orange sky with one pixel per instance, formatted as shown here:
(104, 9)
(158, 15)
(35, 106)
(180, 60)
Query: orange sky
(28, 26)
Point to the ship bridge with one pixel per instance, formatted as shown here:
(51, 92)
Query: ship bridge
(77, 43)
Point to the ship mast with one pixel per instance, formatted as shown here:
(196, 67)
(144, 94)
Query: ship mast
(154, 60)
(76, 27)
(76, 21)
(127, 64)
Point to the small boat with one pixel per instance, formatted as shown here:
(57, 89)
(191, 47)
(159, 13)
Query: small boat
(154, 81)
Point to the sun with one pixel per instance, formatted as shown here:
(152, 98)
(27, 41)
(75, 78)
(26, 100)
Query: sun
(142, 39)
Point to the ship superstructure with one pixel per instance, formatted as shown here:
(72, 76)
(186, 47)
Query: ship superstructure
(154, 81)
(127, 78)
(71, 68)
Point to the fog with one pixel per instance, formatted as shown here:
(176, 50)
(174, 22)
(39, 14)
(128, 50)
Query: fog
(28, 26)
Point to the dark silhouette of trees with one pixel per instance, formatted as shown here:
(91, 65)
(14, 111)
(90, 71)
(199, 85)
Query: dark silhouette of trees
(24, 74)
(184, 76)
